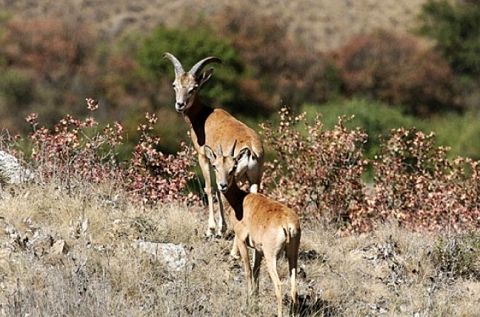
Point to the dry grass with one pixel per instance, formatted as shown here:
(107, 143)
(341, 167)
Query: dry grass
(389, 272)
(324, 24)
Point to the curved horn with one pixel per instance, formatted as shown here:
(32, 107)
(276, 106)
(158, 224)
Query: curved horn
(232, 150)
(199, 66)
(176, 63)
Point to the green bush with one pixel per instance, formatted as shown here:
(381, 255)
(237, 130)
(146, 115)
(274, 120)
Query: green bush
(16, 87)
(189, 46)
(456, 28)
(460, 132)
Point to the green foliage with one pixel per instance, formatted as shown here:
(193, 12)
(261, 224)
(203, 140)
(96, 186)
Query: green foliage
(460, 132)
(16, 87)
(189, 46)
(456, 28)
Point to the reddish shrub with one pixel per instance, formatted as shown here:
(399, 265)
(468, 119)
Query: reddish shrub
(75, 152)
(53, 48)
(319, 173)
(398, 70)
(419, 187)
(155, 177)
(316, 171)
(289, 70)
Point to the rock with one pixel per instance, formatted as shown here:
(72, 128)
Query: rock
(173, 256)
(59, 247)
(11, 172)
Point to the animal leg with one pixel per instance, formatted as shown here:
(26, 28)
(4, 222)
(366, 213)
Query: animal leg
(205, 167)
(292, 256)
(234, 250)
(271, 260)
(221, 224)
(242, 247)
(257, 262)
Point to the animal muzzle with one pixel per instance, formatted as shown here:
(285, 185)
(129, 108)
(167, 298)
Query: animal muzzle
(180, 106)
(223, 188)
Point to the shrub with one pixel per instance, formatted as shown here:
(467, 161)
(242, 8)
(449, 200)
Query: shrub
(458, 256)
(76, 152)
(155, 177)
(289, 70)
(16, 87)
(397, 70)
(53, 48)
(458, 132)
(316, 171)
(319, 173)
(375, 118)
(49, 62)
(456, 28)
(416, 185)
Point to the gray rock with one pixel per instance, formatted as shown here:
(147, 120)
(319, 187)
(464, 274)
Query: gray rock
(11, 171)
(59, 247)
(173, 256)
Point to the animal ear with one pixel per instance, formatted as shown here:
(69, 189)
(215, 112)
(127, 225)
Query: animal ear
(245, 152)
(205, 76)
(209, 153)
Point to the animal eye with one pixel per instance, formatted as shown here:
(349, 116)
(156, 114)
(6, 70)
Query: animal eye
(173, 85)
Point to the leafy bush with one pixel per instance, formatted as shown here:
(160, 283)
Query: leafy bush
(16, 87)
(456, 28)
(397, 70)
(76, 152)
(290, 71)
(53, 48)
(48, 62)
(458, 132)
(317, 172)
(417, 185)
(375, 118)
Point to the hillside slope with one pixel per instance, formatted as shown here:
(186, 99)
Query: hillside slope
(325, 23)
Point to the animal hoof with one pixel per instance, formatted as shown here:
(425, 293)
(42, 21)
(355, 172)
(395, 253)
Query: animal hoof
(234, 257)
(210, 233)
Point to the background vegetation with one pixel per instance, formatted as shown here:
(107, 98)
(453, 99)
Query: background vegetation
(426, 74)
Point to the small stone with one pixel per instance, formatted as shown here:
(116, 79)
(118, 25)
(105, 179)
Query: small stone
(59, 247)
